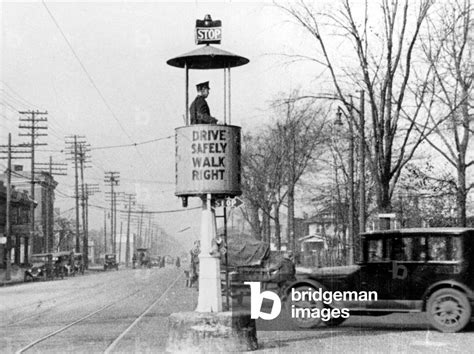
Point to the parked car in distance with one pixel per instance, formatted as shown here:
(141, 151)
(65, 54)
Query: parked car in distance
(427, 270)
(78, 263)
(111, 261)
(41, 267)
(63, 263)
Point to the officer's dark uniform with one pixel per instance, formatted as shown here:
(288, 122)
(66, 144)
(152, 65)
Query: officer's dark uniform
(199, 110)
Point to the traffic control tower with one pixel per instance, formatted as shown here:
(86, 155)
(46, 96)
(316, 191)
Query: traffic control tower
(208, 167)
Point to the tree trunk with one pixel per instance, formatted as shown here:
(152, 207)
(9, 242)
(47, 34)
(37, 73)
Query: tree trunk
(384, 203)
(290, 232)
(461, 195)
(255, 221)
(276, 218)
(266, 228)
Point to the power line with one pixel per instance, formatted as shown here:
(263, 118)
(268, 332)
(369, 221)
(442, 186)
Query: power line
(91, 79)
(147, 211)
(130, 145)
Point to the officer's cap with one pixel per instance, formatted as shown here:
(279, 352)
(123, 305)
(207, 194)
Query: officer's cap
(202, 85)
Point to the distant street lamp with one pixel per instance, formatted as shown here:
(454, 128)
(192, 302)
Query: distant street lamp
(338, 124)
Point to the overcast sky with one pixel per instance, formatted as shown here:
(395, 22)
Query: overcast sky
(99, 69)
(111, 83)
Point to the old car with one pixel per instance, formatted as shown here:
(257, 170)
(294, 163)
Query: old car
(427, 270)
(63, 263)
(78, 263)
(110, 261)
(41, 267)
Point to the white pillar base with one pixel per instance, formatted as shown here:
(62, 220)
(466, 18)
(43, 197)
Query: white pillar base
(210, 297)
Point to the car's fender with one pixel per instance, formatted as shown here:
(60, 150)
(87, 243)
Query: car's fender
(447, 284)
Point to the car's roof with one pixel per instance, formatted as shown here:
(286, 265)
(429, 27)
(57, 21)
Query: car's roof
(62, 253)
(426, 230)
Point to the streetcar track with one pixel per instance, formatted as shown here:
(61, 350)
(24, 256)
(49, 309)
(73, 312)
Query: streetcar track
(138, 319)
(53, 281)
(47, 301)
(44, 310)
(62, 329)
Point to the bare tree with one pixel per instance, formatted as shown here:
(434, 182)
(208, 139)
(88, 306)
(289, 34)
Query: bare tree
(262, 176)
(449, 51)
(300, 130)
(274, 159)
(382, 45)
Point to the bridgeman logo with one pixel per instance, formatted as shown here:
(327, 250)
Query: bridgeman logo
(396, 269)
(256, 301)
(330, 302)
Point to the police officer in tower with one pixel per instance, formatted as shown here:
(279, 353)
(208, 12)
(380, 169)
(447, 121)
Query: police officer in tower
(199, 109)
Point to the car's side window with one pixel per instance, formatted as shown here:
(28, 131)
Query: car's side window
(444, 248)
(411, 249)
(375, 251)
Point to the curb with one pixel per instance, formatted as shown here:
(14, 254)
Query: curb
(11, 282)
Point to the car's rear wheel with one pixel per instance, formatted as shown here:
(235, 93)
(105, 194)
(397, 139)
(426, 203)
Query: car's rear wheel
(448, 310)
(300, 311)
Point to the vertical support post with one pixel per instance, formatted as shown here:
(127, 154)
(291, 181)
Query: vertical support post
(76, 177)
(8, 269)
(186, 110)
(32, 207)
(105, 232)
(17, 236)
(230, 109)
(225, 96)
(210, 298)
(227, 283)
(48, 206)
(83, 203)
(115, 222)
(350, 246)
(86, 237)
(127, 250)
(120, 242)
(361, 169)
(112, 179)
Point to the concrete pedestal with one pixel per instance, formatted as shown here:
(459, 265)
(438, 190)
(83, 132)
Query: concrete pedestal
(212, 332)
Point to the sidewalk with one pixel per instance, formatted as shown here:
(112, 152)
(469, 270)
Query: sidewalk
(17, 276)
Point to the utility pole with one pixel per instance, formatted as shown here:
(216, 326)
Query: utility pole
(72, 145)
(129, 211)
(142, 209)
(361, 170)
(85, 240)
(148, 243)
(112, 178)
(33, 124)
(120, 242)
(11, 155)
(113, 198)
(52, 169)
(105, 232)
(89, 189)
(115, 220)
(8, 269)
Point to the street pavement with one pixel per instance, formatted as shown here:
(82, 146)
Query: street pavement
(129, 309)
